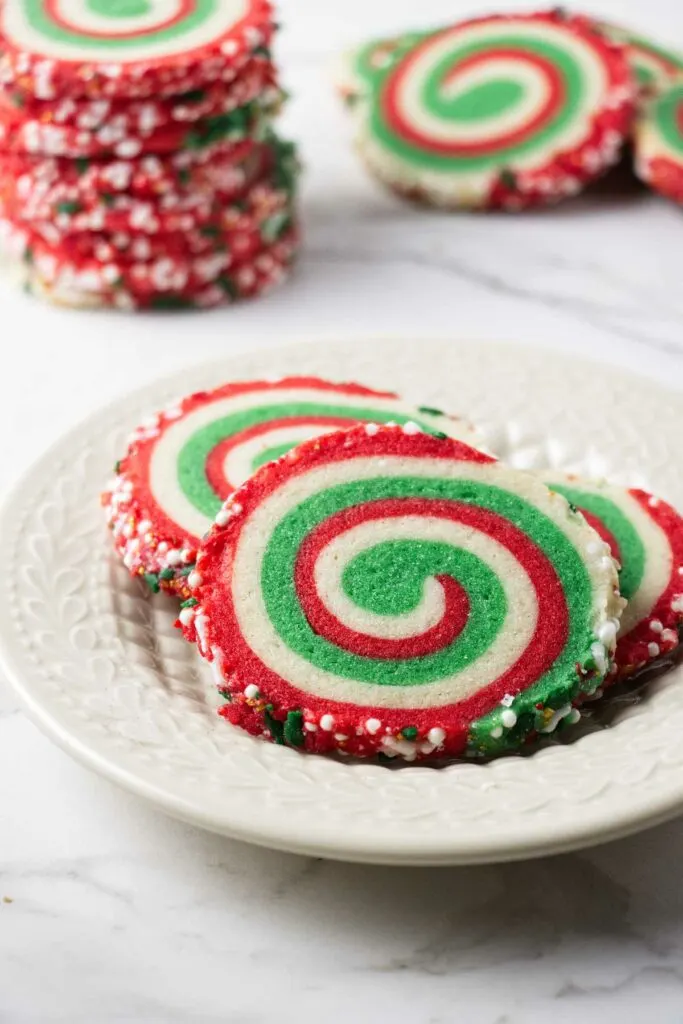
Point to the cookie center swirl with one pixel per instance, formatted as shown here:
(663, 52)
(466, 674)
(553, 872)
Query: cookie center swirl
(479, 95)
(422, 588)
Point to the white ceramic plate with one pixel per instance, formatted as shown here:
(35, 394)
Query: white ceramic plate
(101, 669)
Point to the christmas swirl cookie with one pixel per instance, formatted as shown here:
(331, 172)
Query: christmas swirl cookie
(659, 143)
(645, 536)
(127, 48)
(46, 187)
(113, 140)
(380, 590)
(183, 463)
(505, 111)
(653, 66)
(162, 289)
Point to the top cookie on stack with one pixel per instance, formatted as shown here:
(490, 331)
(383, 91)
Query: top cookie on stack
(116, 91)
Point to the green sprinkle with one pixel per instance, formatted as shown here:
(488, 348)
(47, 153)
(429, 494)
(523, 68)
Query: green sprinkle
(69, 206)
(193, 96)
(275, 226)
(167, 574)
(186, 571)
(170, 302)
(81, 164)
(439, 434)
(108, 199)
(28, 255)
(228, 286)
(211, 231)
(276, 728)
(293, 729)
(573, 508)
(430, 410)
(190, 603)
(508, 178)
(152, 581)
(17, 99)
(410, 732)
(184, 176)
(117, 466)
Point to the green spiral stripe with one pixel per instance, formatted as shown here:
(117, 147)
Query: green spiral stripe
(666, 114)
(631, 546)
(418, 560)
(192, 459)
(466, 107)
(42, 23)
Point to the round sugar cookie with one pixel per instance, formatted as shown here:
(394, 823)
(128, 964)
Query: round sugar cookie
(380, 590)
(645, 536)
(165, 214)
(653, 66)
(173, 273)
(498, 112)
(114, 140)
(135, 117)
(45, 187)
(659, 143)
(127, 48)
(183, 463)
(256, 276)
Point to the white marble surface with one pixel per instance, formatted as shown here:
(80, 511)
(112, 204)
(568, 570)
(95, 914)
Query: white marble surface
(112, 913)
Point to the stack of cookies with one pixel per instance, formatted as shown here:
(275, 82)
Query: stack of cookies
(138, 165)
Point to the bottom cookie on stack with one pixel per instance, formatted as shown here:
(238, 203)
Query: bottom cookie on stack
(255, 276)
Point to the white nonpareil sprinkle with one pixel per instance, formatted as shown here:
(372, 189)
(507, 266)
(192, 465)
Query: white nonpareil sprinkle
(556, 718)
(656, 626)
(252, 692)
(174, 557)
(371, 429)
(599, 656)
(373, 725)
(607, 632)
(653, 650)
(497, 732)
(327, 723)
(508, 700)
(194, 579)
(508, 718)
(186, 616)
(436, 736)
(411, 428)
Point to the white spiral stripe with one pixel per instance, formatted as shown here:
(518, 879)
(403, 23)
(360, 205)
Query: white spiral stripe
(336, 556)
(658, 554)
(260, 635)
(163, 469)
(17, 27)
(238, 464)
